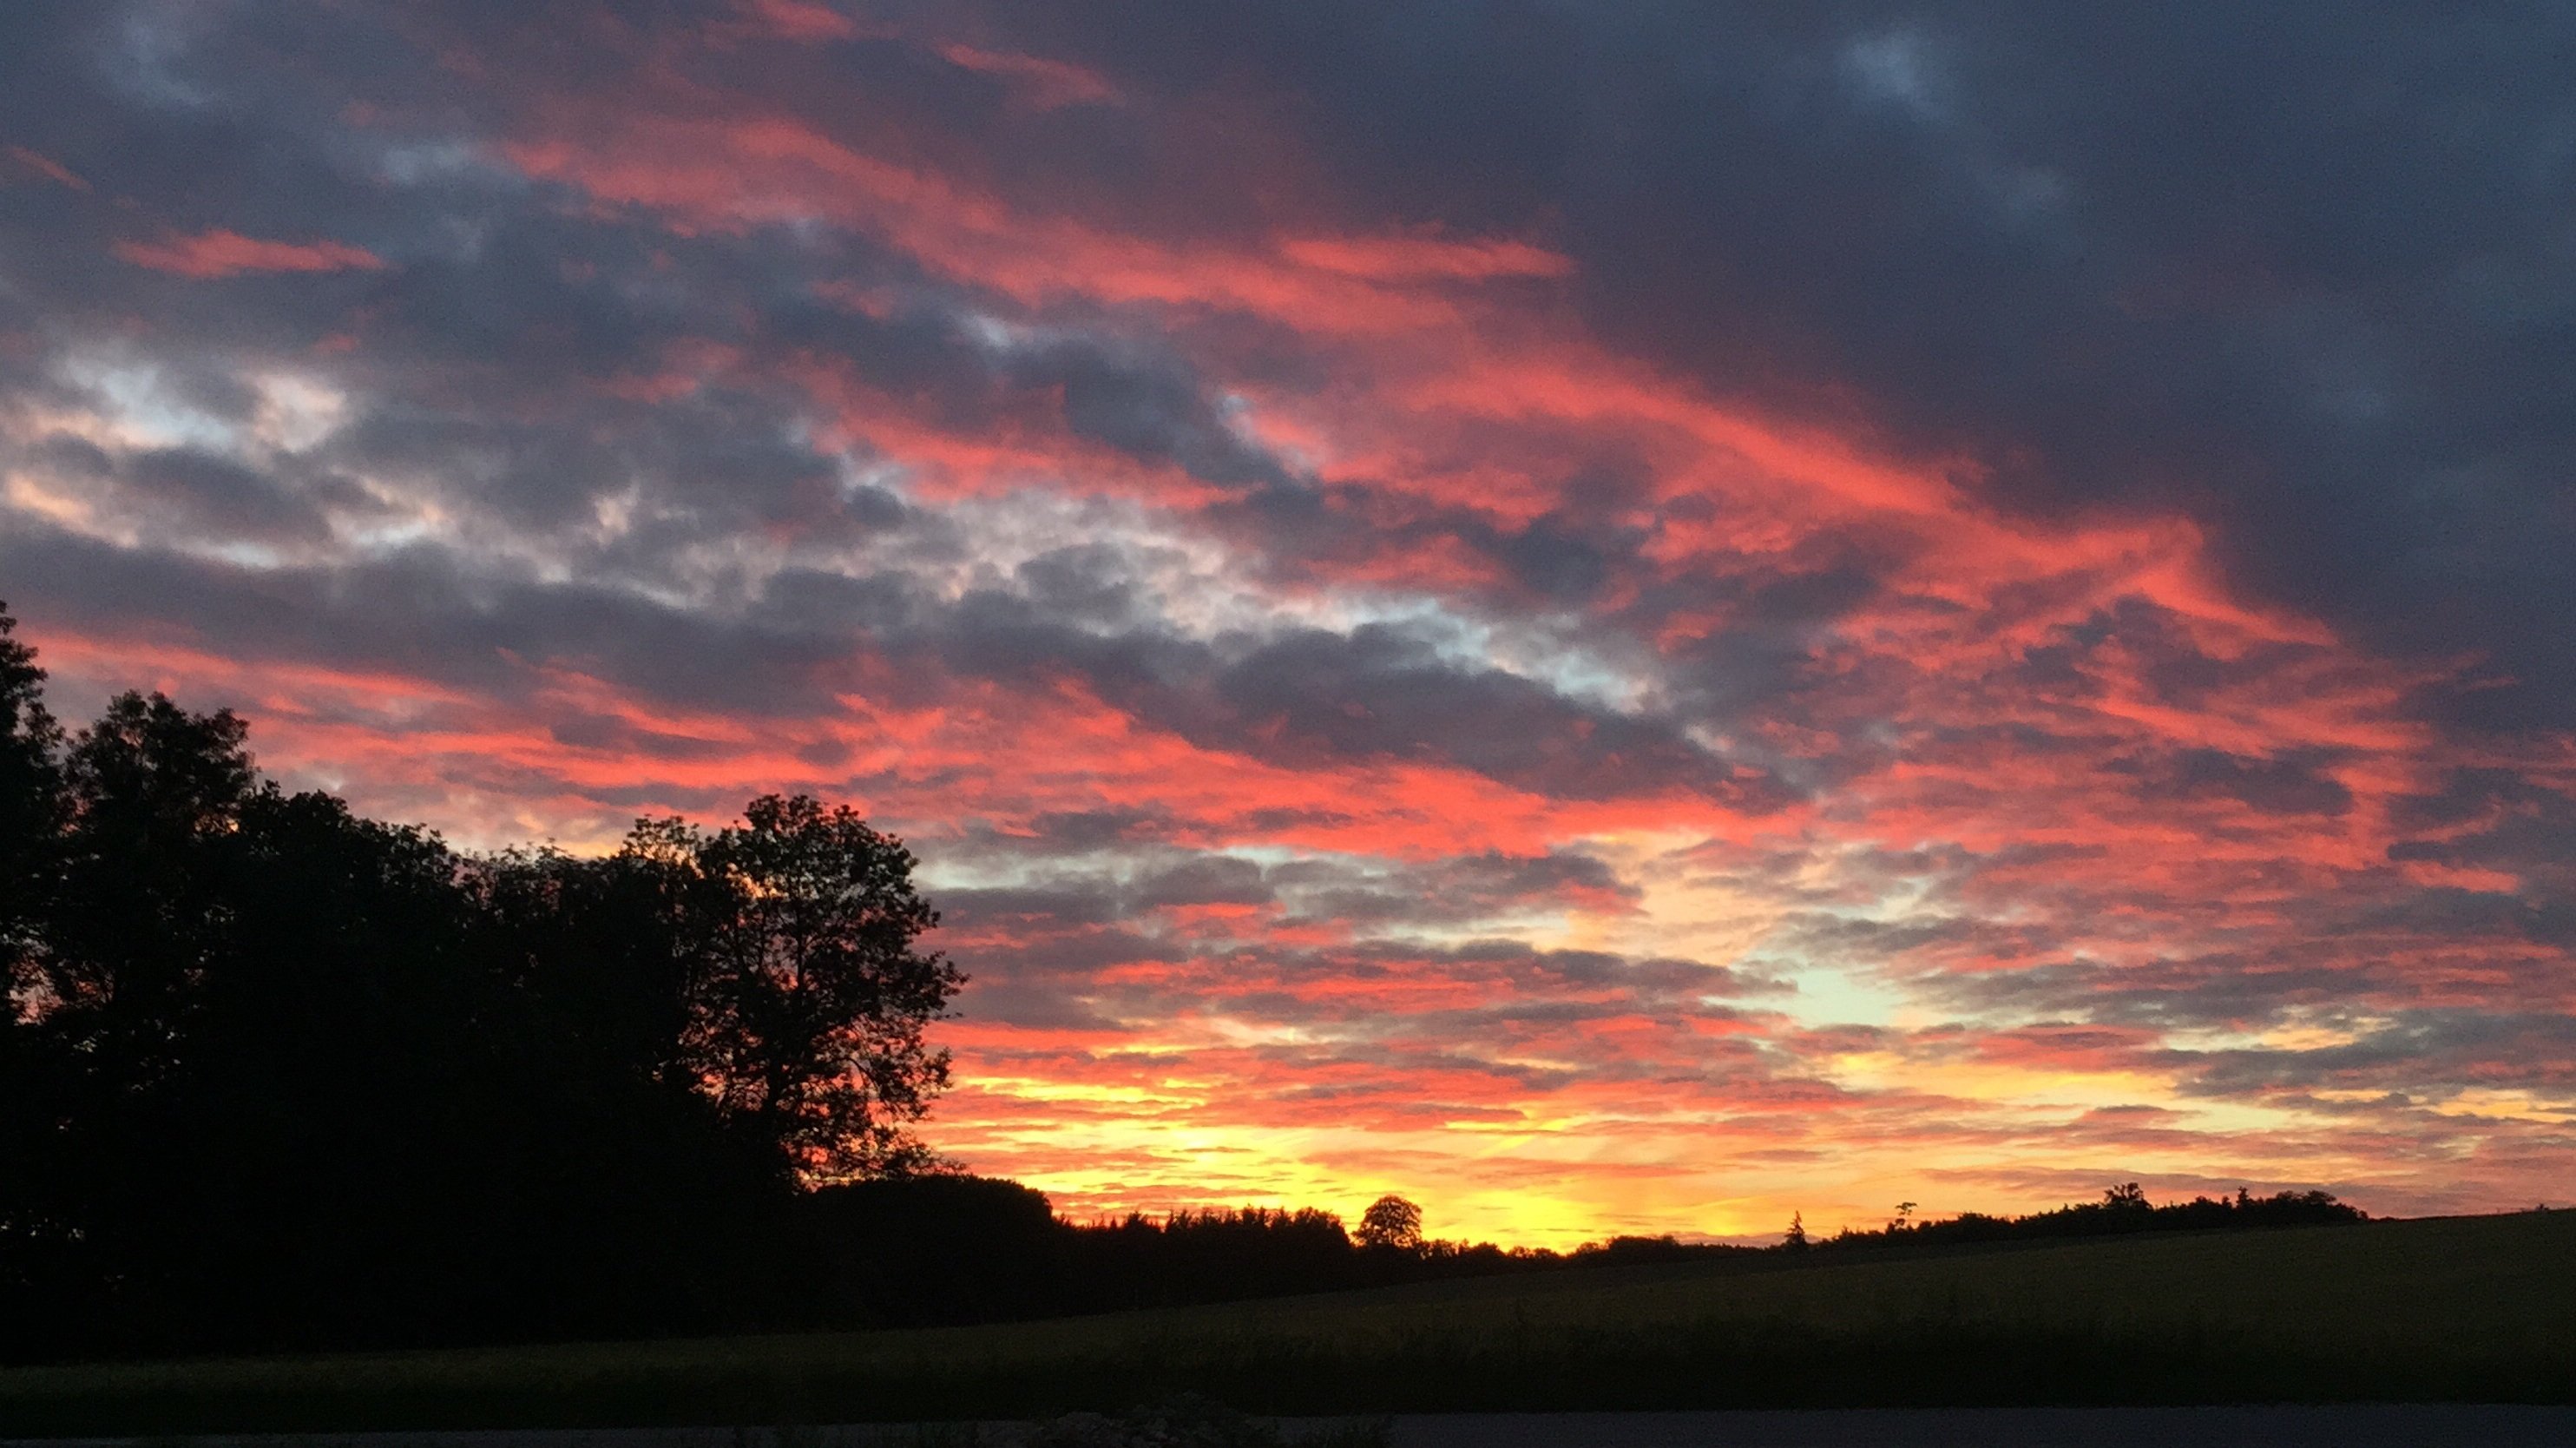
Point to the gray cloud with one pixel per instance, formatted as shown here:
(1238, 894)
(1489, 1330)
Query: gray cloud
(2300, 271)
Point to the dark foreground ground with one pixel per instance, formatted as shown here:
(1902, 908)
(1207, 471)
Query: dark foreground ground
(2420, 1426)
(2459, 1310)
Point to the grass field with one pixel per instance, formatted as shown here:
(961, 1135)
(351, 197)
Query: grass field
(2453, 1309)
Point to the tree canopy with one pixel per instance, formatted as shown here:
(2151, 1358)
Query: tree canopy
(274, 1074)
(1393, 1222)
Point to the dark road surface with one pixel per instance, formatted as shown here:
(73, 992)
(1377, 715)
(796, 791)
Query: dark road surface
(2281, 1427)
(2269, 1427)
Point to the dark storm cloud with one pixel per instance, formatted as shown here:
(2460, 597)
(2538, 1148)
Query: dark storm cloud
(1102, 868)
(2497, 818)
(1143, 401)
(2300, 269)
(437, 615)
(1500, 983)
(1309, 696)
(2424, 1050)
(1460, 888)
(221, 497)
(1378, 693)
(1307, 699)
(1096, 939)
(2275, 786)
(2290, 268)
(2436, 947)
(501, 337)
(1152, 412)
(2543, 916)
(494, 347)
(188, 493)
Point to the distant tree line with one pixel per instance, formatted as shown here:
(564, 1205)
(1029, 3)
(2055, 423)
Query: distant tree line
(2122, 1209)
(933, 1249)
(938, 1250)
(276, 1076)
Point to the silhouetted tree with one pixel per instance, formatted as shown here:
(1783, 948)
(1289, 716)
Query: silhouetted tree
(936, 1248)
(31, 801)
(275, 1075)
(808, 1004)
(34, 1069)
(1391, 1222)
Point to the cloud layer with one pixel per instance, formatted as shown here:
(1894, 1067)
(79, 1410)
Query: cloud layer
(1617, 622)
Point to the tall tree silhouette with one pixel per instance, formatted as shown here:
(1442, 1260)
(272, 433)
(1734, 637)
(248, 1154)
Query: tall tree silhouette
(34, 1233)
(809, 1001)
(30, 794)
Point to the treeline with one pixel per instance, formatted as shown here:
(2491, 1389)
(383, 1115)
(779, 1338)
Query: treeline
(276, 1076)
(2122, 1209)
(941, 1250)
(934, 1250)
(273, 1075)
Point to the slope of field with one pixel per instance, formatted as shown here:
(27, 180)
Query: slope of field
(2457, 1309)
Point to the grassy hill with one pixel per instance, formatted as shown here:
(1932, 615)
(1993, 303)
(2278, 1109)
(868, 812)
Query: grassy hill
(2478, 1308)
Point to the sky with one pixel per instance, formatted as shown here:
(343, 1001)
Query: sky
(1616, 617)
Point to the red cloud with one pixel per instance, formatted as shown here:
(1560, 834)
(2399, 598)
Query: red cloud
(222, 253)
(1046, 83)
(1404, 258)
(47, 167)
(801, 19)
(764, 168)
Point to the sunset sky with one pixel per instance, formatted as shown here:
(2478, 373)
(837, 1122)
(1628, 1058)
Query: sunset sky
(1616, 617)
